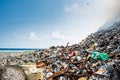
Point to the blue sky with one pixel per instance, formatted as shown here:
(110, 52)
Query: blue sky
(44, 23)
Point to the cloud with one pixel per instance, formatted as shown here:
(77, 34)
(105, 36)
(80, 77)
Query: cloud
(32, 36)
(57, 35)
(19, 36)
(78, 8)
(72, 8)
(46, 36)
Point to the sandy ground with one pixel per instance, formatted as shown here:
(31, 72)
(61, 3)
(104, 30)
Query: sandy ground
(5, 54)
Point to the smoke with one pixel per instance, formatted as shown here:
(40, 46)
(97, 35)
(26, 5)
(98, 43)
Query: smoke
(111, 9)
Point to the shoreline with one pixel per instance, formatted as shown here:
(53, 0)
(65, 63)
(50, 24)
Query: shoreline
(13, 54)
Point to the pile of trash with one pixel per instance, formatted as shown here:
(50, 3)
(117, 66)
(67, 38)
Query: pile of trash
(31, 57)
(95, 58)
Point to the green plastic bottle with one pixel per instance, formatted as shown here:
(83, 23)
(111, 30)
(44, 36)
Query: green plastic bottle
(100, 56)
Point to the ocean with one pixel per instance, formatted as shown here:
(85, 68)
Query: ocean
(18, 49)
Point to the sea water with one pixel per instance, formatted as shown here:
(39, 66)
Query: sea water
(18, 49)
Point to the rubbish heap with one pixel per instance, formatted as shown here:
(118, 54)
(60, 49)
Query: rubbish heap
(95, 58)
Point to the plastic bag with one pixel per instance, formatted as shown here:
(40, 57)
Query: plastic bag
(100, 56)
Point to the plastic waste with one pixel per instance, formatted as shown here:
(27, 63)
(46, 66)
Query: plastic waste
(49, 74)
(112, 72)
(40, 64)
(82, 78)
(91, 48)
(100, 71)
(56, 69)
(73, 54)
(63, 77)
(35, 70)
(100, 56)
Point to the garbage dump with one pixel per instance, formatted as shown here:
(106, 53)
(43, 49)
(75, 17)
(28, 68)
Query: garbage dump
(95, 58)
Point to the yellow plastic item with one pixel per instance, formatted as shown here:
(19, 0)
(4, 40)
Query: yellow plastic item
(91, 48)
(82, 78)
